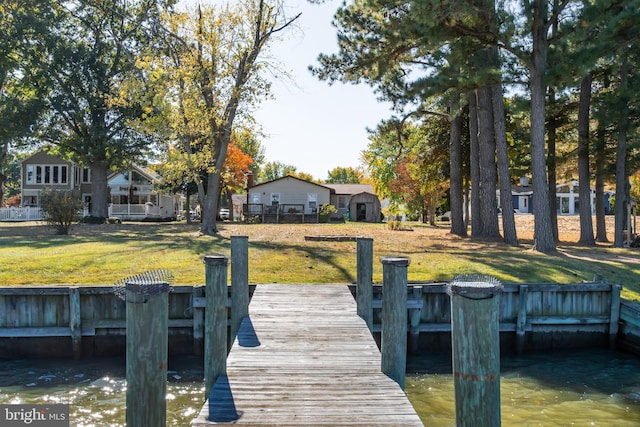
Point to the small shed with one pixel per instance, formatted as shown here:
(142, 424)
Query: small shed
(364, 207)
(359, 200)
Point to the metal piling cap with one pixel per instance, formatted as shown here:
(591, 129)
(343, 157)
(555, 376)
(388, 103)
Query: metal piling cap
(146, 284)
(465, 284)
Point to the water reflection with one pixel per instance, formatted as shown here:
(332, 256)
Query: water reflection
(576, 388)
(95, 389)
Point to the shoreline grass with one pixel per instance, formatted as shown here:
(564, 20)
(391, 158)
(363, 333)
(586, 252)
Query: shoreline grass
(104, 254)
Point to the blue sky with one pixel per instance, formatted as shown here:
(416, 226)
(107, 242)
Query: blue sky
(311, 125)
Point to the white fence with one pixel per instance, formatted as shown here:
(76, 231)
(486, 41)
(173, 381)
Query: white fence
(20, 214)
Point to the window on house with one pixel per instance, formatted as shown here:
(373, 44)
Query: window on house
(312, 201)
(342, 202)
(47, 174)
(275, 199)
(86, 175)
(30, 201)
(30, 174)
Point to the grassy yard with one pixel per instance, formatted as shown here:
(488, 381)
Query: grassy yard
(32, 255)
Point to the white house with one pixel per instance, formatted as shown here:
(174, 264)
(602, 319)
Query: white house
(286, 199)
(567, 198)
(135, 195)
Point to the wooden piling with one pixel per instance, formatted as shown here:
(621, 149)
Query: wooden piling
(147, 348)
(198, 320)
(614, 319)
(476, 351)
(415, 315)
(75, 322)
(521, 322)
(364, 279)
(239, 282)
(215, 331)
(394, 318)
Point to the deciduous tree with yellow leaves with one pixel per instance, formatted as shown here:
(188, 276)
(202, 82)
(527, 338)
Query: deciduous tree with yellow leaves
(207, 79)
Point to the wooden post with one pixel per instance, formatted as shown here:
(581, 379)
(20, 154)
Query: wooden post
(394, 318)
(476, 350)
(147, 347)
(239, 282)
(215, 330)
(521, 323)
(198, 321)
(75, 322)
(415, 315)
(364, 280)
(614, 319)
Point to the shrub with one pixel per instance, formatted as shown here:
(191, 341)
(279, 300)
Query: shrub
(14, 201)
(61, 209)
(394, 225)
(90, 219)
(325, 211)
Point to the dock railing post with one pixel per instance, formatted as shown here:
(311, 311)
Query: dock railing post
(475, 339)
(394, 318)
(521, 322)
(415, 315)
(147, 307)
(239, 282)
(364, 279)
(75, 322)
(215, 330)
(614, 316)
(198, 320)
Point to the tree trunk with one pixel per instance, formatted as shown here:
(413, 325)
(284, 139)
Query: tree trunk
(552, 137)
(3, 179)
(188, 197)
(601, 222)
(99, 191)
(455, 172)
(4, 151)
(506, 201)
(467, 200)
(210, 207)
(552, 167)
(476, 219)
(487, 163)
(543, 233)
(584, 176)
(621, 158)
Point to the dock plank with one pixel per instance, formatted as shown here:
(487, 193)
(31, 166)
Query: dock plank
(304, 357)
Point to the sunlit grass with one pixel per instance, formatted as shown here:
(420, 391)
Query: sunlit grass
(33, 255)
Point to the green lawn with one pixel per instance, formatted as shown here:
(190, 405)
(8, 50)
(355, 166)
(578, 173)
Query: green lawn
(33, 255)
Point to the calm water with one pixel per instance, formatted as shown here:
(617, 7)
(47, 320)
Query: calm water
(577, 388)
(580, 388)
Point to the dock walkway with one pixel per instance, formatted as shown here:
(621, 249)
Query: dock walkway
(304, 357)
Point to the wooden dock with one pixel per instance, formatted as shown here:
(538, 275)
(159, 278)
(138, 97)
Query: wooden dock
(304, 357)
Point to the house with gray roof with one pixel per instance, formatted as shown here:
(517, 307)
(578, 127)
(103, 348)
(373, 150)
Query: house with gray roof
(291, 199)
